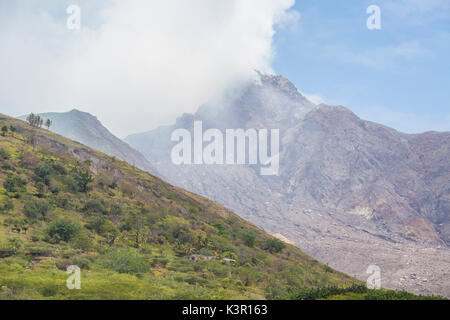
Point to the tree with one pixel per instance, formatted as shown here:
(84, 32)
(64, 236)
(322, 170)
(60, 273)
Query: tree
(31, 139)
(4, 130)
(43, 173)
(31, 118)
(35, 120)
(82, 177)
(48, 123)
(12, 129)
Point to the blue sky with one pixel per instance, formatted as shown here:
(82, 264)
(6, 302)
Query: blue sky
(398, 76)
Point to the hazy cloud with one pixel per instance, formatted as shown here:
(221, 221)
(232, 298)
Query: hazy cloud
(314, 97)
(135, 64)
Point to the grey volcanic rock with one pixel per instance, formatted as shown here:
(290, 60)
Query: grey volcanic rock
(349, 192)
(87, 129)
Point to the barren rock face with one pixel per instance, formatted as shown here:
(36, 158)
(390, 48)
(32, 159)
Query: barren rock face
(86, 129)
(349, 192)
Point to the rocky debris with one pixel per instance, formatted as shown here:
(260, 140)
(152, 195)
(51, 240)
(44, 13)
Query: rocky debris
(282, 238)
(198, 257)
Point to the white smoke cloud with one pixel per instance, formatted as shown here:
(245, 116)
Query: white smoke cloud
(134, 64)
(314, 97)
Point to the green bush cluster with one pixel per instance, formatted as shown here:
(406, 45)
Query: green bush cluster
(35, 208)
(124, 261)
(62, 230)
(274, 245)
(14, 183)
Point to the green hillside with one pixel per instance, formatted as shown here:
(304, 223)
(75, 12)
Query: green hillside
(62, 203)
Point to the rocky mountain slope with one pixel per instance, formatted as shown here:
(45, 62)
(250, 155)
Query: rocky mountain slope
(86, 129)
(133, 235)
(349, 192)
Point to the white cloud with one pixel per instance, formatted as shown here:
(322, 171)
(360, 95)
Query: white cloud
(147, 61)
(314, 97)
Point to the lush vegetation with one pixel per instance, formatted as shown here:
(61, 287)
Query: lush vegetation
(131, 234)
(354, 292)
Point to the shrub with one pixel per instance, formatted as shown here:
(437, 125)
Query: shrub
(128, 188)
(101, 225)
(274, 245)
(220, 228)
(184, 236)
(328, 269)
(7, 206)
(43, 173)
(49, 290)
(83, 263)
(59, 169)
(62, 264)
(27, 159)
(124, 261)
(82, 242)
(249, 238)
(14, 183)
(4, 155)
(69, 183)
(4, 130)
(6, 166)
(220, 244)
(115, 209)
(7, 250)
(62, 230)
(40, 187)
(36, 208)
(82, 177)
(39, 250)
(62, 200)
(113, 185)
(322, 293)
(94, 205)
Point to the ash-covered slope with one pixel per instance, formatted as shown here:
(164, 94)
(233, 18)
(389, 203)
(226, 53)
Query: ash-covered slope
(87, 129)
(350, 192)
